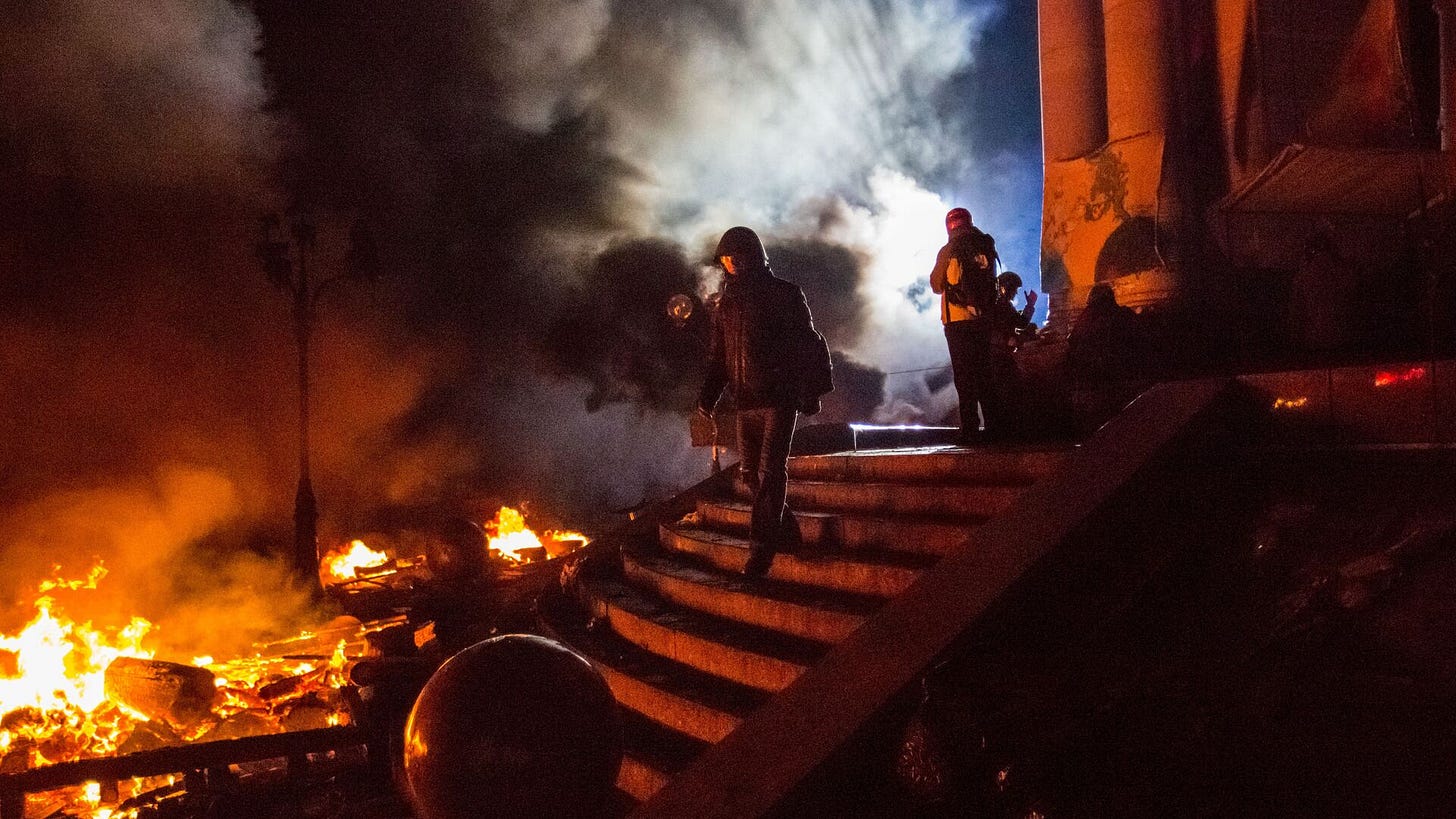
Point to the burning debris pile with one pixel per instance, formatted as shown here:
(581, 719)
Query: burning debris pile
(494, 546)
(71, 690)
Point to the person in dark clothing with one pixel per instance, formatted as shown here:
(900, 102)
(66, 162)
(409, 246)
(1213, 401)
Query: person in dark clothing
(1009, 327)
(964, 276)
(1105, 344)
(761, 331)
(1012, 325)
(1107, 355)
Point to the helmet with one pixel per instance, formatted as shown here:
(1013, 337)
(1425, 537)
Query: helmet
(958, 217)
(1008, 279)
(743, 244)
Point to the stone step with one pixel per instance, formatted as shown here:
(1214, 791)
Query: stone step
(680, 697)
(754, 657)
(653, 754)
(638, 779)
(938, 464)
(848, 531)
(801, 611)
(875, 573)
(977, 501)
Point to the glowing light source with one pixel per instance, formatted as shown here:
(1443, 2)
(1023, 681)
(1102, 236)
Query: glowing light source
(510, 538)
(344, 565)
(680, 309)
(1291, 403)
(1385, 378)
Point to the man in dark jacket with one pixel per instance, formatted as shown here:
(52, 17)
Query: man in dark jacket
(965, 277)
(1010, 326)
(757, 350)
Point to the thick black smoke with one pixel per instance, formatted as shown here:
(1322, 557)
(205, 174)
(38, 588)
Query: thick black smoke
(616, 332)
(540, 178)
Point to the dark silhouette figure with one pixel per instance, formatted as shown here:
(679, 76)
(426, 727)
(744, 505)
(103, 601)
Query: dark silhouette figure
(965, 277)
(1107, 355)
(764, 349)
(1105, 344)
(1010, 326)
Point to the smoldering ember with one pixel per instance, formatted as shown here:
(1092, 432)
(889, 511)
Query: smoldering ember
(412, 410)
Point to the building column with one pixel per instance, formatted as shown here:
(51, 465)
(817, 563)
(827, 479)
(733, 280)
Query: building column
(1073, 78)
(1446, 10)
(1139, 84)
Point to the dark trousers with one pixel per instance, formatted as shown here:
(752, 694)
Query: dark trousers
(764, 436)
(970, 360)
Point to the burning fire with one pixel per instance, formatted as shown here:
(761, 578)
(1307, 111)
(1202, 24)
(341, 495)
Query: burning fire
(507, 540)
(53, 702)
(58, 702)
(346, 565)
(1385, 379)
(510, 538)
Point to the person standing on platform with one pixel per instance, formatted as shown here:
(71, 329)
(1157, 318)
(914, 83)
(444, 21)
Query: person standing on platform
(965, 278)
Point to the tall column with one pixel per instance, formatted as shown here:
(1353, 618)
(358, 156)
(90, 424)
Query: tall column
(1073, 78)
(1141, 99)
(1446, 9)
(1139, 81)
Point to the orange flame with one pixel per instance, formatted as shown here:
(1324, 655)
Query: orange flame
(510, 538)
(54, 705)
(1291, 403)
(52, 685)
(341, 566)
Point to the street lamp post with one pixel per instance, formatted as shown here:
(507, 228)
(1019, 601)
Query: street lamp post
(285, 262)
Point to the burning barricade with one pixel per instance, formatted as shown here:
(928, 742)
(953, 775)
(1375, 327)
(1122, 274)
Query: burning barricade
(74, 693)
(71, 691)
(460, 550)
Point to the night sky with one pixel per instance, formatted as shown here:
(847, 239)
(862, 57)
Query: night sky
(539, 177)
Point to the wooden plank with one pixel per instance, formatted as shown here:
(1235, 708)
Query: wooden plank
(182, 758)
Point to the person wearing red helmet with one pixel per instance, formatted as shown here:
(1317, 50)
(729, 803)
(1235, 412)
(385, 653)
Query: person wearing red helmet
(965, 278)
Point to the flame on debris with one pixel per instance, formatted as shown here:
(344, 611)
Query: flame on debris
(1385, 378)
(55, 705)
(347, 564)
(511, 539)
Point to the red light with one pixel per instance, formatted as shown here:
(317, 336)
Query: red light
(1385, 379)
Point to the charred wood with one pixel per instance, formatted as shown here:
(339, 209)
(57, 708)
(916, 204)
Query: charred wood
(178, 694)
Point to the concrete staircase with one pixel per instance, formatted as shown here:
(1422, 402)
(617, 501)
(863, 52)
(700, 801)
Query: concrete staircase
(690, 647)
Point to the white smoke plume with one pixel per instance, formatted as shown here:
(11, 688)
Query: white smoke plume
(778, 114)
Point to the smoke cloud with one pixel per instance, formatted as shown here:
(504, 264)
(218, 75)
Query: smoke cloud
(541, 178)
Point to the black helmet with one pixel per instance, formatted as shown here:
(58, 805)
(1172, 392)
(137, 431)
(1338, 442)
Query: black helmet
(1008, 279)
(743, 244)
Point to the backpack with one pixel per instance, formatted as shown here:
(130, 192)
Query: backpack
(816, 376)
(973, 266)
